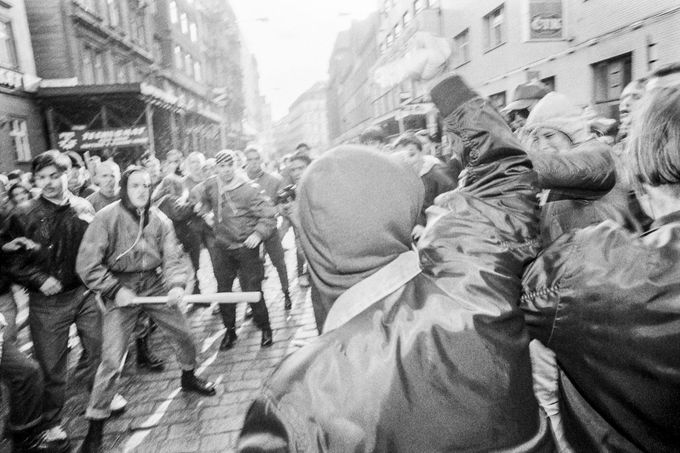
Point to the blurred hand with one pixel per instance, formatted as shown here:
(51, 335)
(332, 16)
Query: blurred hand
(124, 297)
(252, 241)
(19, 243)
(51, 287)
(417, 232)
(175, 297)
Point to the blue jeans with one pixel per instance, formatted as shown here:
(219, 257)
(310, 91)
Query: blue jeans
(274, 249)
(119, 324)
(50, 318)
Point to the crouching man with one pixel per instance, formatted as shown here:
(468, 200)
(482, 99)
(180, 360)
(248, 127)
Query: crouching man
(130, 250)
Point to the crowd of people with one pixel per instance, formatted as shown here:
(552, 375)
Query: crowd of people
(84, 239)
(510, 287)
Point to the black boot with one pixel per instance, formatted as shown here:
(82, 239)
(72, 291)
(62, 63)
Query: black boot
(93, 440)
(228, 340)
(288, 304)
(267, 339)
(146, 358)
(193, 383)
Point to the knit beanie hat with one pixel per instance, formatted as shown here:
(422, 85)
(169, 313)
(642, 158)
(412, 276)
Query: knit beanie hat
(224, 157)
(556, 111)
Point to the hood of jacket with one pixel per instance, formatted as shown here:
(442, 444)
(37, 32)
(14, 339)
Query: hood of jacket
(556, 111)
(357, 210)
(125, 197)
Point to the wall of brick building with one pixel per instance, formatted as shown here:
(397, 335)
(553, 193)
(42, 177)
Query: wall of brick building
(20, 106)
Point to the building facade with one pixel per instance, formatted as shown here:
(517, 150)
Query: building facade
(21, 124)
(306, 122)
(350, 108)
(137, 73)
(588, 50)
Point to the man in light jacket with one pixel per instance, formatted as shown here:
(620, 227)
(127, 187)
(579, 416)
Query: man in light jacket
(130, 250)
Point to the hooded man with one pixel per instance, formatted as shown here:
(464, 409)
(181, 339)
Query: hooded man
(243, 218)
(130, 250)
(426, 354)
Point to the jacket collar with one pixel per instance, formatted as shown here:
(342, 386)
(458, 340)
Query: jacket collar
(372, 289)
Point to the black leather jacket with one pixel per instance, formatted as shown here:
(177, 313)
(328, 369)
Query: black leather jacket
(583, 191)
(606, 301)
(442, 363)
(58, 229)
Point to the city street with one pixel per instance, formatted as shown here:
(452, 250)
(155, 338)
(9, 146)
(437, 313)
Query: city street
(160, 417)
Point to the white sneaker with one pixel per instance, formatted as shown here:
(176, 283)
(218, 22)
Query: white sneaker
(118, 404)
(55, 433)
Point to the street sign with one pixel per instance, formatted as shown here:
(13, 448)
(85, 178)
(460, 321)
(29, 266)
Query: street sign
(86, 140)
(546, 20)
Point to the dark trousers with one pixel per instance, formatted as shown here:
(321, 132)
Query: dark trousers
(299, 254)
(246, 263)
(50, 318)
(21, 374)
(275, 251)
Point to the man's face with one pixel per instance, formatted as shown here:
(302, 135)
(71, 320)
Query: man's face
(154, 168)
(139, 188)
(225, 171)
(52, 182)
(630, 97)
(107, 180)
(76, 177)
(253, 161)
(195, 166)
(296, 168)
(171, 165)
(411, 155)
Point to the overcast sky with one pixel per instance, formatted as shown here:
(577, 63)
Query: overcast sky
(292, 41)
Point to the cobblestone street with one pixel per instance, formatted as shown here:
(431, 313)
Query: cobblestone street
(161, 418)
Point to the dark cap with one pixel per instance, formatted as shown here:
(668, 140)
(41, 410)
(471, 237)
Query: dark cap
(526, 96)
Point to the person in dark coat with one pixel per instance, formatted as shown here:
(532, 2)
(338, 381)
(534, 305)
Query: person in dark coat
(606, 302)
(56, 220)
(432, 172)
(420, 352)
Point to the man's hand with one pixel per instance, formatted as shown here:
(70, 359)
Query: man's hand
(19, 243)
(175, 297)
(252, 241)
(417, 232)
(124, 297)
(51, 287)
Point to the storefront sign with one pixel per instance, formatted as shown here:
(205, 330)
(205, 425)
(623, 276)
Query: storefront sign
(11, 79)
(103, 138)
(545, 19)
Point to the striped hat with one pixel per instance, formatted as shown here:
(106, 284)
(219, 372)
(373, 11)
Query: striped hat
(224, 157)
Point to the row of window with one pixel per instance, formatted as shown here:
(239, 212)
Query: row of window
(494, 35)
(101, 67)
(186, 26)
(8, 51)
(610, 77)
(403, 23)
(185, 62)
(131, 15)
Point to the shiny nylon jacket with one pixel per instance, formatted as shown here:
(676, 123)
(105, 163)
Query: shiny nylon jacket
(442, 363)
(606, 301)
